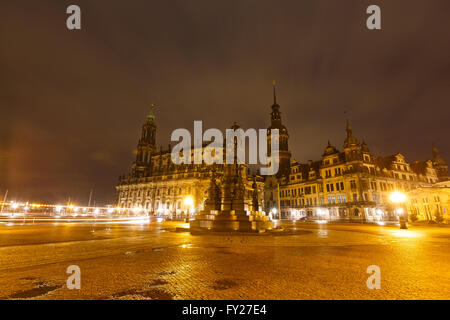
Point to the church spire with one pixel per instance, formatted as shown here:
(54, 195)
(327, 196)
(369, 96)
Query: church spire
(274, 83)
(147, 142)
(434, 150)
(275, 114)
(350, 140)
(275, 123)
(348, 128)
(436, 156)
(151, 115)
(146, 147)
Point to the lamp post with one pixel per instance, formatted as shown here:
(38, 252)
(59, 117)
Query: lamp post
(278, 200)
(399, 199)
(189, 203)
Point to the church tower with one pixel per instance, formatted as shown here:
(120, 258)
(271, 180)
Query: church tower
(146, 147)
(275, 123)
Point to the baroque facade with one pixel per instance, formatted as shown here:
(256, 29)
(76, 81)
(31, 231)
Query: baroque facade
(430, 203)
(156, 185)
(352, 184)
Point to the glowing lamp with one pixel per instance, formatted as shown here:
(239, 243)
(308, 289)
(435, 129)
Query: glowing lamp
(188, 201)
(397, 197)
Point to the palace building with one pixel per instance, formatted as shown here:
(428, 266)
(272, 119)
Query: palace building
(353, 184)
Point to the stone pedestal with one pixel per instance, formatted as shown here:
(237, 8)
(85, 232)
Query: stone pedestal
(227, 221)
(215, 221)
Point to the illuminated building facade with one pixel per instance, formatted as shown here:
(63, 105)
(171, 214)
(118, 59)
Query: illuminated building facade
(351, 185)
(156, 185)
(430, 203)
(348, 185)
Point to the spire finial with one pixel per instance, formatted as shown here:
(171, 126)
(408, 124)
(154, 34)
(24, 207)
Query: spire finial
(274, 83)
(346, 119)
(348, 127)
(434, 149)
(151, 115)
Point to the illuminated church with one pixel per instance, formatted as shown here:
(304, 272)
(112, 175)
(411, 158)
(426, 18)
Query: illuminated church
(156, 185)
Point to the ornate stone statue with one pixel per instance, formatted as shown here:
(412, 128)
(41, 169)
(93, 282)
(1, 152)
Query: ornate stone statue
(214, 193)
(255, 203)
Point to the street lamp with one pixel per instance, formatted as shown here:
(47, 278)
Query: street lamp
(274, 212)
(399, 198)
(189, 203)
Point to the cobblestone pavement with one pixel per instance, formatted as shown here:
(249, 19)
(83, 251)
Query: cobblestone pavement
(154, 261)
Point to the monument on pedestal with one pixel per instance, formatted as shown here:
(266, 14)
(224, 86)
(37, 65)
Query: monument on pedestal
(225, 208)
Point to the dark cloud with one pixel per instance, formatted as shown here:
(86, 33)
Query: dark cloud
(72, 103)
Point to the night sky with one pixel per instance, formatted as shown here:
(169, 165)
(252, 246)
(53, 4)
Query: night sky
(73, 102)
